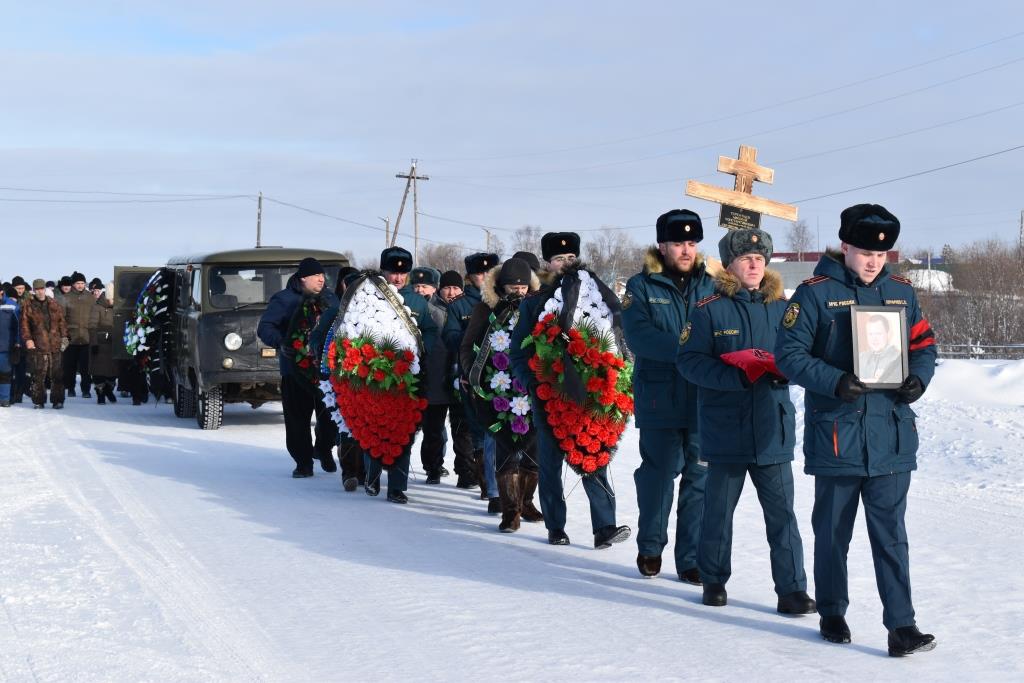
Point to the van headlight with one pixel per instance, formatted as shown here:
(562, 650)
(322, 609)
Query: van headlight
(232, 341)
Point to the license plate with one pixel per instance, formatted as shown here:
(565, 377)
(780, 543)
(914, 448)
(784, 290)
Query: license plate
(268, 353)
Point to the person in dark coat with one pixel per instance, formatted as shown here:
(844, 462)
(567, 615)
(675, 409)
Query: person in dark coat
(560, 251)
(396, 264)
(45, 336)
(460, 311)
(859, 444)
(515, 455)
(10, 344)
(747, 423)
(300, 399)
(78, 305)
(441, 393)
(655, 308)
(102, 367)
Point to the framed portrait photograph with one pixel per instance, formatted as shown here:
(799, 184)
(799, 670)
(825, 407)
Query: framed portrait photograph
(880, 354)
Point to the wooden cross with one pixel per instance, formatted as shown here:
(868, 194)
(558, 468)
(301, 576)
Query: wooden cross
(740, 208)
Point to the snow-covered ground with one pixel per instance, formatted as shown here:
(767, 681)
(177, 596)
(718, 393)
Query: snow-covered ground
(135, 547)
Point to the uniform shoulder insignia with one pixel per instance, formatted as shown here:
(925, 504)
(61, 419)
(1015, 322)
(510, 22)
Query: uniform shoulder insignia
(815, 280)
(708, 299)
(627, 300)
(901, 280)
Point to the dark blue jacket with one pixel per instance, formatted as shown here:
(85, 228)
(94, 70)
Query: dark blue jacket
(275, 321)
(739, 424)
(459, 313)
(875, 434)
(10, 324)
(654, 312)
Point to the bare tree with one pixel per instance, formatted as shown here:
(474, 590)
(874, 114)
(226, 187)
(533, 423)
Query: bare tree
(526, 238)
(444, 257)
(612, 255)
(799, 238)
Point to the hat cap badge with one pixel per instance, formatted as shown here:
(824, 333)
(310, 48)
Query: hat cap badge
(686, 228)
(753, 238)
(881, 236)
(564, 243)
(399, 262)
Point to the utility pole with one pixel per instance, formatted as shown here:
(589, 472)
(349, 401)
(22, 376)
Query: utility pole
(1020, 240)
(387, 230)
(410, 182)
(259, 220)
(488, 233)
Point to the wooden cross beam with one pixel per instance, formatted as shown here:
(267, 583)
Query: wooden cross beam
(747, 170)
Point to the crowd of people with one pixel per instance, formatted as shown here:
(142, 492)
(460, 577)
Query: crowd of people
(715, 346)
(57, 339)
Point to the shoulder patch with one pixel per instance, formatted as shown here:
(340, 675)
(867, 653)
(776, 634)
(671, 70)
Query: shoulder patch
(708, 299)
(792, 313)
(627, 300)
(901, 280)
(816, 279)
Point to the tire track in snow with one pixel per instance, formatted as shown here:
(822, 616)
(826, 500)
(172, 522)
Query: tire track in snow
(163, 566)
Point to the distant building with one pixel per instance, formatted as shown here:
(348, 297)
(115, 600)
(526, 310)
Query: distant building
(815, 256)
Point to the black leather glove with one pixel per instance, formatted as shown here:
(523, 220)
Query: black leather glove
(850, 388)
(288, 351)
(911, 389)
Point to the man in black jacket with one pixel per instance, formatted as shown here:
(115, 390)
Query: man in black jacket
(299, 397)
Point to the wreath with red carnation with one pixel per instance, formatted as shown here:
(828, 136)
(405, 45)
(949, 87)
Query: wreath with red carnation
(303, 321)
(373, 364)
(585, 381)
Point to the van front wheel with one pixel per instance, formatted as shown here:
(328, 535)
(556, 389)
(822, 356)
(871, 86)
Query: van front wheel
(210, 412)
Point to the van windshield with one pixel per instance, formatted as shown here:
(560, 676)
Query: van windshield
(232, 286)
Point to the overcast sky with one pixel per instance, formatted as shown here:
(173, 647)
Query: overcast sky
(568, 115)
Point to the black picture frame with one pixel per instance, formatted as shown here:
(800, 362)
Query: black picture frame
(880, 365)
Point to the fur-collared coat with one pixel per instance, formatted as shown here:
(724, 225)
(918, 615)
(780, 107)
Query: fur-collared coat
(42, 323)
(739, 423)
(654, 312)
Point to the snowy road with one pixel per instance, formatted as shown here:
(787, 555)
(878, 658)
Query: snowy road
(135, 547)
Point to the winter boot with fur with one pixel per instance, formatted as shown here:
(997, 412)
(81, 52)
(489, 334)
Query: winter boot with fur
(508, 491)
(527, 487)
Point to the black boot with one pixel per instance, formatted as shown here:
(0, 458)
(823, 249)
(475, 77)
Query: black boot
(100, 399)
(327, 462)
(605, 536)
(558, 537)
(508, 498)
(481, 476)
(108, 391)
(468, 480)
(302, 471)
(834, 629)
(649, 565)
(798, 602)
(372, 488)
(527, 510)
(690, 576)
(397, 497)
(906, 640)
(715, 595)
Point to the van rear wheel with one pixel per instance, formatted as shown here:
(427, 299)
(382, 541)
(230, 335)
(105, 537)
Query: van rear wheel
(210, 412)
(184, 402)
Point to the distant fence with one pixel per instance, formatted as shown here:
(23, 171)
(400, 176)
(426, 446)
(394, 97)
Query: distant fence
(994, 351)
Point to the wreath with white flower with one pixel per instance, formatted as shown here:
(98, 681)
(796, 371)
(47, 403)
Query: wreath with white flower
(147, 336)
(372, 359)
(584, 374)
(505, 398)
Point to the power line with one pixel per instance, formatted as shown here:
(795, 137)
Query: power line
(748, 136)
(804, 157)
(911, 175)
(33, 200)
(728, 117)
(352, 222)
(121, 194)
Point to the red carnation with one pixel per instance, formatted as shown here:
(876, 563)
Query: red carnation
(363, 371)
(545, 392)
(369, 353)
(409, 356)
(297, 344)
(379, 375)
(401, 367)
(577, 347)
(558, 366)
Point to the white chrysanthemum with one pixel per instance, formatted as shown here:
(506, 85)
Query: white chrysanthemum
(520, 405)
(501, 381)
(500, 340)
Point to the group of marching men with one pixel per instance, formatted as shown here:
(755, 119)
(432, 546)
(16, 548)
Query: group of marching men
(715, 345)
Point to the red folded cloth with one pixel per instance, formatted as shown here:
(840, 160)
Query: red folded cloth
(753, 362)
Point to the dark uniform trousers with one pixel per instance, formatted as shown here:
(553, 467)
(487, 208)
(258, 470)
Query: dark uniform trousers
(885, 507)
(435, 438)
(664, 454)
(300, 404)
(76, 362)
(552, 502)
(351, 457)
(46, 366)
(398, 473)
(774, 484)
